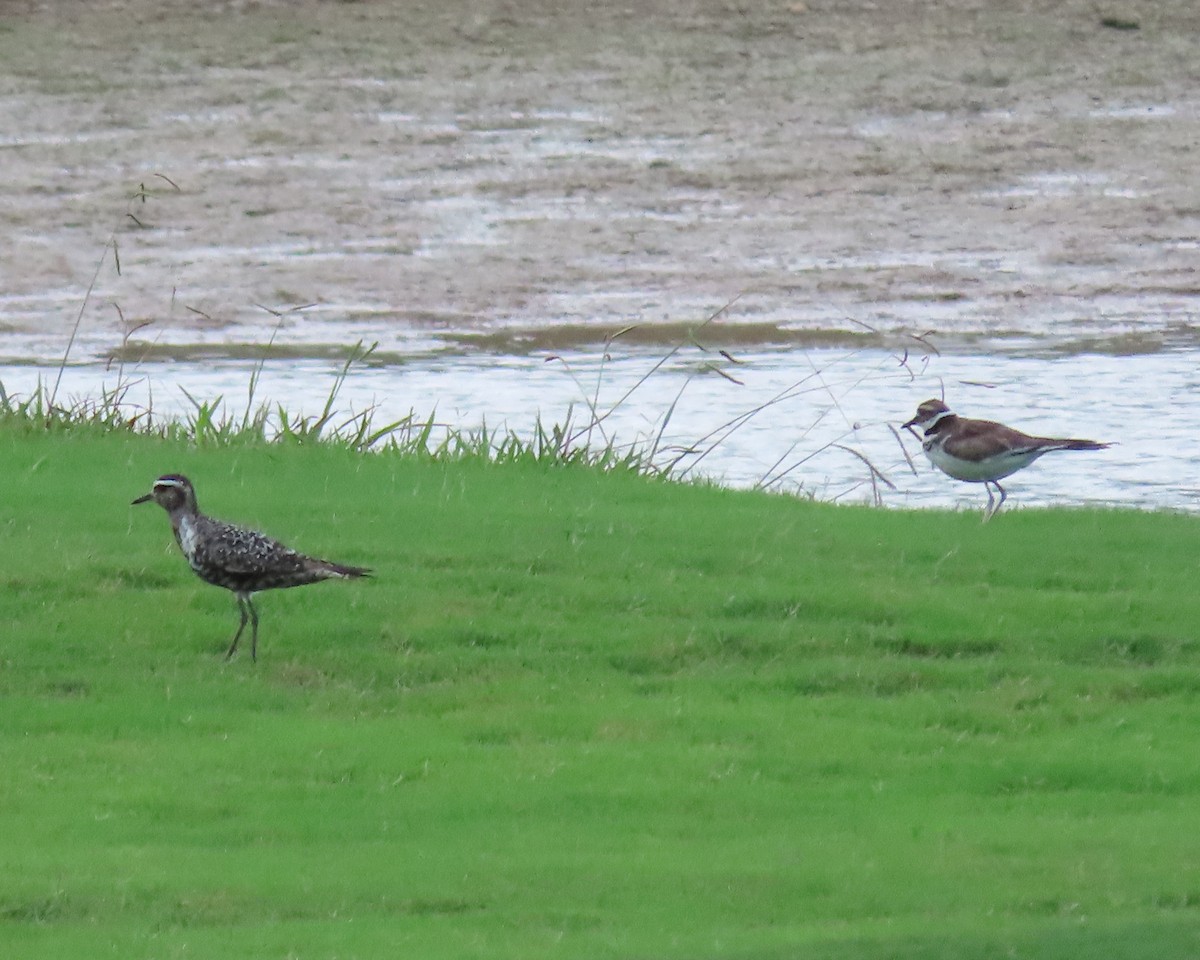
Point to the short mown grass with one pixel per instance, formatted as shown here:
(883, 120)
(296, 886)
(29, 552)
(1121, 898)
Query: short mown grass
(586, 713)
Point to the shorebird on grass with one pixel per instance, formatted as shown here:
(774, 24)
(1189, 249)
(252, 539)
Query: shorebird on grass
(982, 451)
(241, 560)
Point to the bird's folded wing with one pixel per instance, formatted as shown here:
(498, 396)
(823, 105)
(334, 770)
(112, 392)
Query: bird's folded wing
(238, 550)
(983, 439)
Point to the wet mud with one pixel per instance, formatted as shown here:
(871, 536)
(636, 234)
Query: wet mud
(518, 175)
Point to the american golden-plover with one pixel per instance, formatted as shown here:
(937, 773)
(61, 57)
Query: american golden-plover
(239, 559)
(982, 451)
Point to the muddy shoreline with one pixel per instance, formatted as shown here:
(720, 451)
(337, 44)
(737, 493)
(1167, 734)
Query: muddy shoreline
(476, 176)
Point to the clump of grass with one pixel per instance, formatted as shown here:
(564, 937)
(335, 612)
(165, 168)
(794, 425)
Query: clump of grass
(210, 424)
(107, 411)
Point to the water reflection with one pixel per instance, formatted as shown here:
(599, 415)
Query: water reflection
(797, 421)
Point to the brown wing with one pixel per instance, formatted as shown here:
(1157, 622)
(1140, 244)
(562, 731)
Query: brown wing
(980, 439)
(977, 439)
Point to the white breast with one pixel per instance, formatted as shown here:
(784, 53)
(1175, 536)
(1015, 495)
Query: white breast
(978, 471)
(187, 537)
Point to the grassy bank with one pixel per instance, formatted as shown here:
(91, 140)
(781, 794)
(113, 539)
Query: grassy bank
(584, 714)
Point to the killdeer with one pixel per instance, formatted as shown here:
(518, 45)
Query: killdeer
(982, 451)
(241, 560)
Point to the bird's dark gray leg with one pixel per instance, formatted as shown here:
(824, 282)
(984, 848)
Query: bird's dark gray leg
(241, 626)
(253, 630)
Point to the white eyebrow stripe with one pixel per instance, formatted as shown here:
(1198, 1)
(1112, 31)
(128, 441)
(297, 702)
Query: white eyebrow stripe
(167, 482)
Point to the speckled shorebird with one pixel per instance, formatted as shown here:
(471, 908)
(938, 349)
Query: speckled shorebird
(241, 560)
(982, 451)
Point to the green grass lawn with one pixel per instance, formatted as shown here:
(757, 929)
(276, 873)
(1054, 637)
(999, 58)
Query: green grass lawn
(581, 714)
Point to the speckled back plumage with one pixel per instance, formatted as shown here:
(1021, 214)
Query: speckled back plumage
(246, 561)
(237, 558)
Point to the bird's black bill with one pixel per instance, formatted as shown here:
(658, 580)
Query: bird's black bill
(141, 500)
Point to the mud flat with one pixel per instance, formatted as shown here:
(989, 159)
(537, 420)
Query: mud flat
(437, 172)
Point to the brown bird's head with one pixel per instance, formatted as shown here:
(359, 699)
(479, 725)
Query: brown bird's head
(929, 413)
(173, 492)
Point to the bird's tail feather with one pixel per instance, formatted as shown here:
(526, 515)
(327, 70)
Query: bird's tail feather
(1084, 445)
(331, 569)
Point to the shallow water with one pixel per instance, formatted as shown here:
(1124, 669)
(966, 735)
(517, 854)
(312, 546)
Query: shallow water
(823, 412)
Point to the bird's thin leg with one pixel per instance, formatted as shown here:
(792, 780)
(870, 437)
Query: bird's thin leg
(988, 511)
(253, 630)
(241, 626)
(993, 510)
